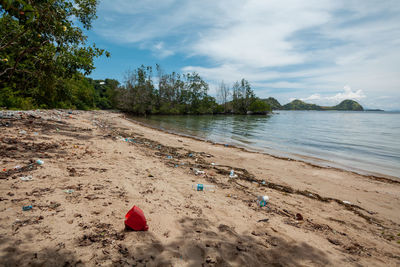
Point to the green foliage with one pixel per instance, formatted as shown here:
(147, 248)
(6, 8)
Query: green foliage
(300, 105)
(41, 46)
(242, 97)
(344, 105)
(273, 103)
(348, 105)
(259, 107)
(105, 93)
(176, 94)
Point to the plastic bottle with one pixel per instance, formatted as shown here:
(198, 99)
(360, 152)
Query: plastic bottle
(232, 174)
(262, 201)
(203, 187)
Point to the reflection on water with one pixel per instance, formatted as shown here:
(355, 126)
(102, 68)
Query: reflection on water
(357, 140)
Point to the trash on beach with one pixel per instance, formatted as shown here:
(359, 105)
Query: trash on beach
(232, 174)
(176, 165)
(226, 145)
(25, 208)
(203, 187)
(26, 178)
(169, 157)
(263, 182)
(4, 170)
(198, 172)
(40, 162)
(263, 220)
(346, 202)
(262, 201)
(212, 163)
(17, 167)
(22, 132)
(136, 220)
(69, 191)
(150, 175)
(299, 217)
(35, 133)
(190, 155)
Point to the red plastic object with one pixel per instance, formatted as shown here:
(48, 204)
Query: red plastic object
(135, 219)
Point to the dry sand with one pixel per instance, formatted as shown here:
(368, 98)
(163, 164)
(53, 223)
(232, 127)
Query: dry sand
(305, 222)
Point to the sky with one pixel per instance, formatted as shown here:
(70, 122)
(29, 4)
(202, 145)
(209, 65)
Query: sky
(316, 50)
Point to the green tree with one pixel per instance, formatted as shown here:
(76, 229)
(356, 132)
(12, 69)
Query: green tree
(242, 96)
(140, 94)
(42, 44)
(259, 107)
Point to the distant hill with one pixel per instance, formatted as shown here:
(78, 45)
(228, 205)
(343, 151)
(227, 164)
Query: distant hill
(300, 105)
(273, 103)
(348, 105)
(344, 105)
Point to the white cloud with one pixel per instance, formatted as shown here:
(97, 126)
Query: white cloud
(347, 93)
(312, 97)
(160, 50)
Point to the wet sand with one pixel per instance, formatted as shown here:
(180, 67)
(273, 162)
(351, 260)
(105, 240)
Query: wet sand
(305, 222)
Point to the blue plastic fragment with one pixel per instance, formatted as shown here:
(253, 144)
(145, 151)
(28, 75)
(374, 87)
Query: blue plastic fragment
(25, 208)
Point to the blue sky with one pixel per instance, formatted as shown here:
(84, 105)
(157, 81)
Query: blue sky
(316, 50)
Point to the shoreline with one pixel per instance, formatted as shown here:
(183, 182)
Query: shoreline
(365, 173)
(97, 164)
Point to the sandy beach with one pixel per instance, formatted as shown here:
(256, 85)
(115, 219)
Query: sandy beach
(99, 164)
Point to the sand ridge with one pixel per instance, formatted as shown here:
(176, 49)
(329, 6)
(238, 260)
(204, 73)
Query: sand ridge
(98, 164)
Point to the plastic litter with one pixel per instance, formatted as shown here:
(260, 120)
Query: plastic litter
(190, 155)
(263, 182)
(346, 202)
(212, 163)
(262, 201)
(25, 208)
(169, 157)
(22, 132)
(232, 174)
(136, 220)
(40, 162)
(26, 178)
(198, 172)
(203, 187)
(69, 191)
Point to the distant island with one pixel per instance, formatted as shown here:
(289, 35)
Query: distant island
(348, 105)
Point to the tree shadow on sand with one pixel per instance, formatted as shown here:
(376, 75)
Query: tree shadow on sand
(204, 244)
(13, 254)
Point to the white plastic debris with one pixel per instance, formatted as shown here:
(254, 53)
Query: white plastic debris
(232, 174)
(26, 178)
(198, 172)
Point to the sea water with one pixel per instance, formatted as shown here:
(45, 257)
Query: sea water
(365, 142)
